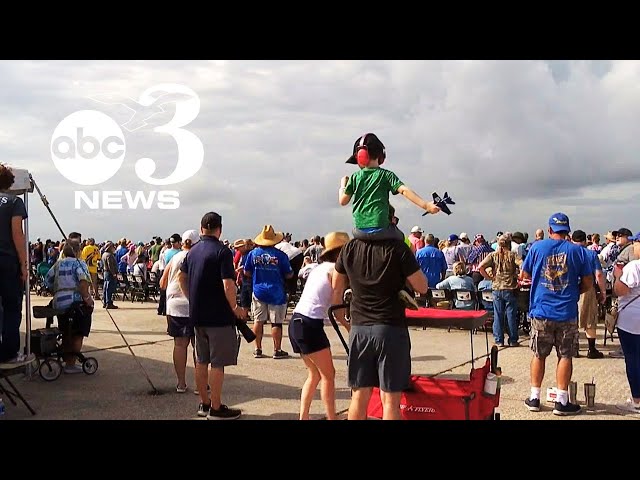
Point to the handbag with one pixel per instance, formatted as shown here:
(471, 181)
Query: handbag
(611, 320)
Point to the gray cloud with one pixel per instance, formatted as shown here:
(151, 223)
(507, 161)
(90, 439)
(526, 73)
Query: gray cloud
(512, 141)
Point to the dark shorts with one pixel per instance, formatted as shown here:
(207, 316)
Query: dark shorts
(217, 346)
(546, 334)
(307, 335)
(79, 318)
(379, 356)
(245, 294)
(179, 327)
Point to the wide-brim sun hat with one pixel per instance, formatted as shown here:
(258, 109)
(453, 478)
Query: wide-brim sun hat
(334, 241)
(268, 237)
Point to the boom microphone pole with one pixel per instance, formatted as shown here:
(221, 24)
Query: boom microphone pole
(46, 204)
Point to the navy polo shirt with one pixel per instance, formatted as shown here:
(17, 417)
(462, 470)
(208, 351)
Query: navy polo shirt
(207, 263)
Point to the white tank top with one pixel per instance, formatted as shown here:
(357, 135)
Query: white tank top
(177, 303)
(316, 296)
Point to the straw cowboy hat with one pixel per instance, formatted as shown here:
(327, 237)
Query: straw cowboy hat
(241, 242)
(334, 241)
(268, 237)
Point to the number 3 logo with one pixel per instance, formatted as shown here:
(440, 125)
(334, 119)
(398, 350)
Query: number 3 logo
(190, 148)
(88, 146)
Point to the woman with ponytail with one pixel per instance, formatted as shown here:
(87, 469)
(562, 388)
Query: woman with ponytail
(504, 277)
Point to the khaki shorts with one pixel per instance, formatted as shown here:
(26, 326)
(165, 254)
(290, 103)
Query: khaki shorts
(588, 309)
(546, 334)
(263, 312)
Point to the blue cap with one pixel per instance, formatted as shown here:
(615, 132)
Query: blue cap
(559, 222)
(453, 237)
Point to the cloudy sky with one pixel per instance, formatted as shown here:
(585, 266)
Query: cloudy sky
(511, 141)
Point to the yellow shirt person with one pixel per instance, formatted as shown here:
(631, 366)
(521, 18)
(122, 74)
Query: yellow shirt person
(90, 255)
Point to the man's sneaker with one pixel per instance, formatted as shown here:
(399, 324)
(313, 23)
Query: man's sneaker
(224, 413)
(20, 361)
(71, 369)
(629, 406)
(257, 353)
(408, 300)
(533, 404)
(514, 344)
(111, 306)
(617, 354)
(595, 354)
(565, 410)
(280, 354)
(180, 389)
(203, 410)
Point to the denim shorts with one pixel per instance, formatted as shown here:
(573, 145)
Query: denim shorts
(307, 335)
(379, 356)
(179, 327)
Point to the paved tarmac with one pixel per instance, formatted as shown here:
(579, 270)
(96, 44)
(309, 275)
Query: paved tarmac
(268, 389)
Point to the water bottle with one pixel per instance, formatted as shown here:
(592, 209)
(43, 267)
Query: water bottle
(1, 407)
(491, 384)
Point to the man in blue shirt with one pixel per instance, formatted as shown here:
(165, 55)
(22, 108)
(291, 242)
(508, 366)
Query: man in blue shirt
(269, 268)
(559, 271)
(432, 262)
(121, 252)
(207, 279)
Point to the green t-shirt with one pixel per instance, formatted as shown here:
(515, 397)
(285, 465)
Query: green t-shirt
(369, 188)
(155, 252)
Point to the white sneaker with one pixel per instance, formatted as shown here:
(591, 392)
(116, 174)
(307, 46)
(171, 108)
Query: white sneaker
(629, 406)
(617, 354)
(72, 369)
(20, 361)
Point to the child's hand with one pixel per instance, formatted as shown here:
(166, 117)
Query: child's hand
(343, 181)
(432, 208)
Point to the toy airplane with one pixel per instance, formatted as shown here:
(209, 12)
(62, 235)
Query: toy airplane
(442, 203)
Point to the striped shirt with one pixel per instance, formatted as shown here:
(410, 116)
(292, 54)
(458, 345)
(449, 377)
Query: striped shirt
(478, 254)
(64, 280)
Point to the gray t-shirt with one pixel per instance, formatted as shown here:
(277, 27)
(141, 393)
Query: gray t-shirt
(10, 206)
(626, 255)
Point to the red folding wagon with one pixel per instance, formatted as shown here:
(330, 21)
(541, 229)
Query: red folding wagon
(433, 398)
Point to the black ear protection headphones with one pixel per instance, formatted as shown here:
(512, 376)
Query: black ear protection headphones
(362, 153)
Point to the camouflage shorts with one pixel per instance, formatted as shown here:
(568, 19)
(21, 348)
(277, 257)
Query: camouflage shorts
(546, 334)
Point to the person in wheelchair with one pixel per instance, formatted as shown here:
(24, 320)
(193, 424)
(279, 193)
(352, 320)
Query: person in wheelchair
(486, 285)
(459, 281)
(69, 280)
